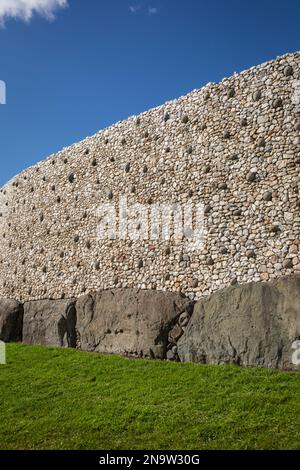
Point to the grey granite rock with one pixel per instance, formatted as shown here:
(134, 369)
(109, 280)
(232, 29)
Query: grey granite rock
(50, 323)
(255, 324)
(129, 321)
(11, 317)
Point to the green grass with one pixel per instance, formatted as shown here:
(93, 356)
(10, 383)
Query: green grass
(66, 399)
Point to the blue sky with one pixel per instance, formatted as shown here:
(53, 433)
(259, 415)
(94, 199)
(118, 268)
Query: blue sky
(97, 62)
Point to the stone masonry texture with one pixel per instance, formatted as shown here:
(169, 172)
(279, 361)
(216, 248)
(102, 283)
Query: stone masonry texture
(232, 146)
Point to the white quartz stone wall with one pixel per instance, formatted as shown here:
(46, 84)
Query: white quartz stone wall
(232, 146)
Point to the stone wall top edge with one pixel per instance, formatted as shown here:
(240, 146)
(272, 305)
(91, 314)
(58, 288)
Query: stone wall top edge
(130, 119)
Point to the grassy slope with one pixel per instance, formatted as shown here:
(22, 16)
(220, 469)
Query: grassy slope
(65, 399)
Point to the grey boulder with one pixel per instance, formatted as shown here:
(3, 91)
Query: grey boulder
(11, 316)
(255, 324)
(129, 322)
(50, 323)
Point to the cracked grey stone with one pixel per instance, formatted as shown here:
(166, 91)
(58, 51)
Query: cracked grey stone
(50, 323)
(129, 322)
(252, 325)
(11, 320)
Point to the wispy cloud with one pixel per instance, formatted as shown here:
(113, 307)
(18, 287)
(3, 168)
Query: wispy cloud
(152, 10)
(134, 8)
(25, 9)
(142, 8)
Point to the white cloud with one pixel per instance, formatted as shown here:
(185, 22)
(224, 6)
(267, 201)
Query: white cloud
(152, 10)
(142, 9)
(25, 9)
(134, 8)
